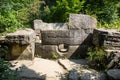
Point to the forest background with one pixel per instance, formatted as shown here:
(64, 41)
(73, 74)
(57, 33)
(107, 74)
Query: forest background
(15, 14)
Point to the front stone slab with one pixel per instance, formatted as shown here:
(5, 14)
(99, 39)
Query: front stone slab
(56, 37)
(21, 44)
(54, 51)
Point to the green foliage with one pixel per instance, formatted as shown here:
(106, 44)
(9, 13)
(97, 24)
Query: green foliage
(3, 50)
(61, 10)
(106, 11)
(5, 72)
(16, 14)
(114, 25)
(54, 55)
(98, 57)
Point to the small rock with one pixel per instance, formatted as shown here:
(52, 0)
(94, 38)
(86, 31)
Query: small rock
(74, 75)
(65, 64)
(114, 74)
(73, 63)
(92, 75)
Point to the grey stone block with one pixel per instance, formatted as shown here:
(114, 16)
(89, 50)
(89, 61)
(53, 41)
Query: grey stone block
(114, 74)
(25, 36)
(21, 44)
(81, 21)
(54, 51)
(40, 25)
(107, 38)
(55, 37)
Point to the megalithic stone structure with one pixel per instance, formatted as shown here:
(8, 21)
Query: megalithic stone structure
(52, 40)
(64, 39)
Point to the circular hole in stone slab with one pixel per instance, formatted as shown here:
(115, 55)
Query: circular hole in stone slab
(63, 47)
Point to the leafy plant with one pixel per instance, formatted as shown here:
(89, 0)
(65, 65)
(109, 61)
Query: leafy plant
(62, 8)
(54, 55)
(106, 11)
(3, 50)
(15, 14)
(5, 72)
(97, 56)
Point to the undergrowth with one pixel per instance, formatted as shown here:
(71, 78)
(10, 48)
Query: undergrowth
(97, 57)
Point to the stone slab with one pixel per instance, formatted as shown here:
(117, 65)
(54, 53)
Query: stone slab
(54, 51)
(20, 52)
(23, 36)
(81, 21)
(40, 25)
(70, 64)
(44, 69)
(55, 37)
(107, 38)
(66, 64)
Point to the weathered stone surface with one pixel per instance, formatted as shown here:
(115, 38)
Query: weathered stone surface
(114, 74)
(70, 37)
(65, 63)
(39, 69)
(21, 52)
(54, 51)
(81, 21)
(77, 70)
(92, 75)
(70, 64)
(40, 25)
(74, 75)
(23, 36)
(43, 69)
(85, 74)
(107, 38)
(21, 44)
(62, 38)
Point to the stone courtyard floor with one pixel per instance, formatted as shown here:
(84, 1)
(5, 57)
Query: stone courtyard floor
(61, 69)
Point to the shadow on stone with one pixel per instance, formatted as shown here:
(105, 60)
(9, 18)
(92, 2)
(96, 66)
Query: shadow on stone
(82, 50)
(27, 74)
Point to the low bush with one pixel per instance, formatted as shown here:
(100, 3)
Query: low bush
(5, 72)
(97, 57)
